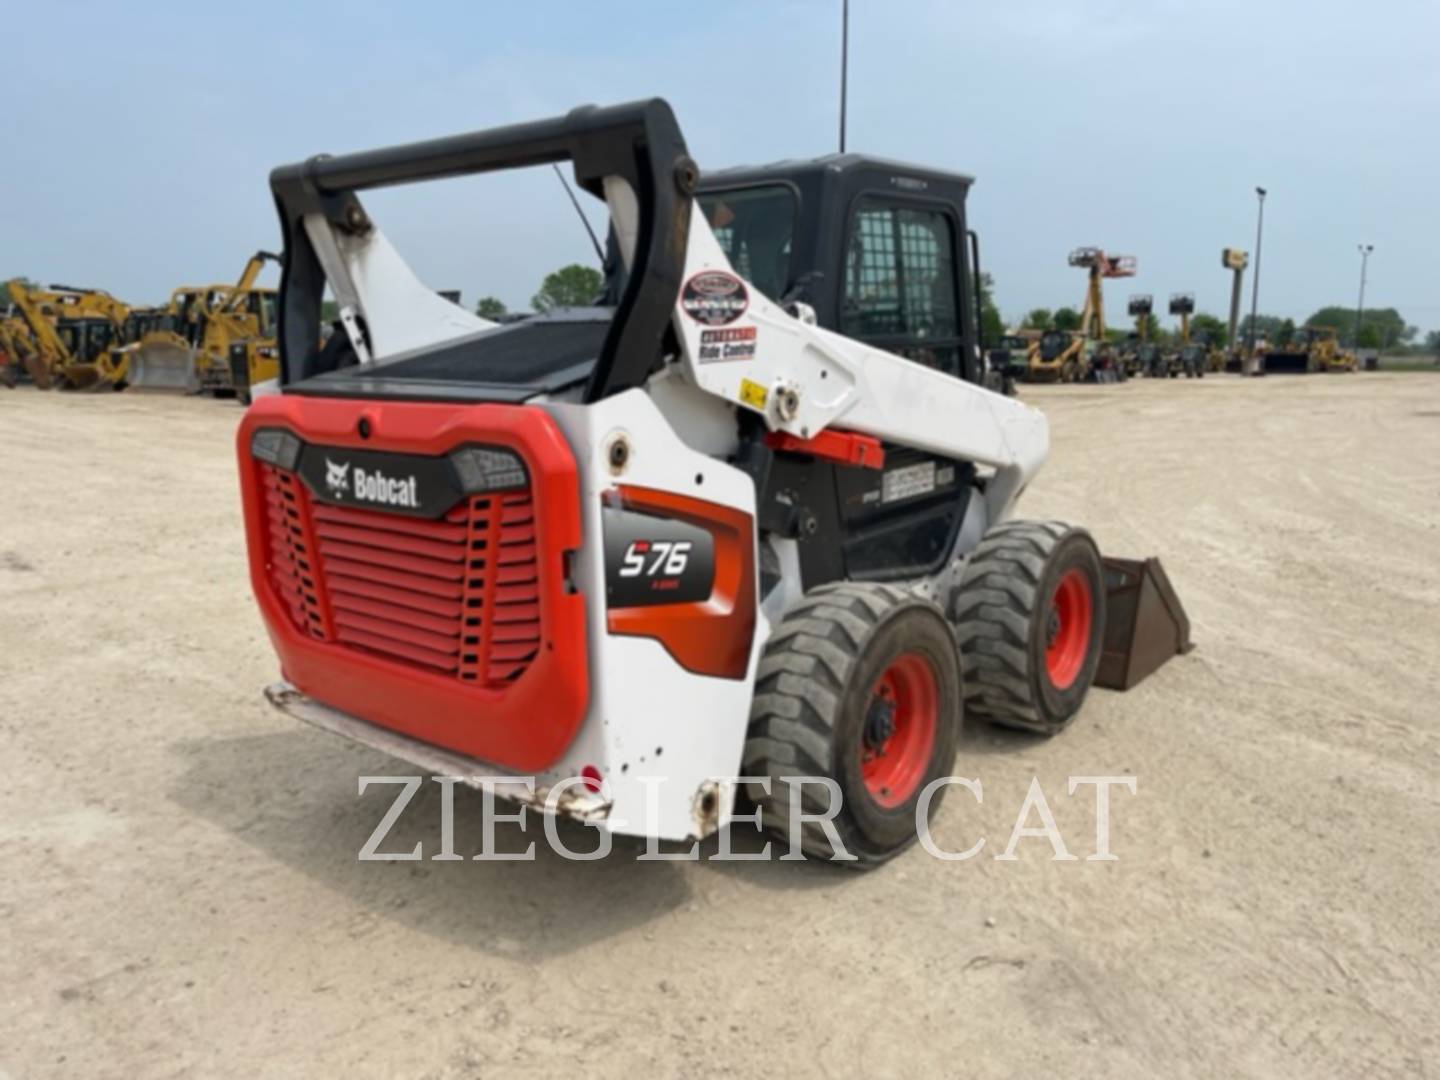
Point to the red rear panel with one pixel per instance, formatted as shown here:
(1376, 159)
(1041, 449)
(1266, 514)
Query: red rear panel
(459, 629)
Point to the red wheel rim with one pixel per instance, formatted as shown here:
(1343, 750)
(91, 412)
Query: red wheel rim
(898, 738)
(1067, 638)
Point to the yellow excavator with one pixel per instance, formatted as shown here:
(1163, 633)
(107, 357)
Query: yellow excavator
(14, 347)
(76, 337)
(244, 316)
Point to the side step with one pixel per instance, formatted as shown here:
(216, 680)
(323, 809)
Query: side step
(1145, 624)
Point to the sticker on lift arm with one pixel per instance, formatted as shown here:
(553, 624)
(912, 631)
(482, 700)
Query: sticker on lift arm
(714, 298)
(729, 343)
(753, 394)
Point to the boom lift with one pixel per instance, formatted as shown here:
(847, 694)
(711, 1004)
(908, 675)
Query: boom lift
(1193, 357)
(605, 561)
(1134, 353)
(1098, 266)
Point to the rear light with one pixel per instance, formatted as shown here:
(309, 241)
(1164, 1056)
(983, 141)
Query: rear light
(488, 468)
(276, 446)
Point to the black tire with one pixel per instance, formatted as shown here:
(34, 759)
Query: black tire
(814, 714)
(1007, 611)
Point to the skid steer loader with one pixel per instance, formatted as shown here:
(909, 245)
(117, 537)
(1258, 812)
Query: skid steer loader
(607, 562)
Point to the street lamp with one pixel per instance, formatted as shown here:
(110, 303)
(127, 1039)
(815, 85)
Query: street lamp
(844, 65)
(1365, 250)
(1255, 283)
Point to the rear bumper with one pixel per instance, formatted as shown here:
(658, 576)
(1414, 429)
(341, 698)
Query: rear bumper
(568, 801)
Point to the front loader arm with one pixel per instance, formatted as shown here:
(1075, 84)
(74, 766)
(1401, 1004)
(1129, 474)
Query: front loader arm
(802, 379)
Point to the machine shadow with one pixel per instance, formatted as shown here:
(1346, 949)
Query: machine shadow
(293, 796)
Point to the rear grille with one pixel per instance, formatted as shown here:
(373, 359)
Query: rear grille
(458, 596)
(291, 564)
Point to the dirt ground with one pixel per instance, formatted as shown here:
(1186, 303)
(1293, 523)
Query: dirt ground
(180, 892)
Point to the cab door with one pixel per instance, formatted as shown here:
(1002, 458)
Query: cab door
(900, 288)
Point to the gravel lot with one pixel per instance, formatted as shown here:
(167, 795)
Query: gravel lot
(181, 893)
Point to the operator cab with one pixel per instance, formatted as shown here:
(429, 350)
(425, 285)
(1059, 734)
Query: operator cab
(877, 248)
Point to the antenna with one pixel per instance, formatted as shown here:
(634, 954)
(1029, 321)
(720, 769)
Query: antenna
(844, 64)
(599, 251)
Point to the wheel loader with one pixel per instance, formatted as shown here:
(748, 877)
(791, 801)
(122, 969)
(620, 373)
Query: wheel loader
(709, 545)
(1311, 349)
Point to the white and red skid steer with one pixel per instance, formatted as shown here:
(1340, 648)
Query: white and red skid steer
(750, 515)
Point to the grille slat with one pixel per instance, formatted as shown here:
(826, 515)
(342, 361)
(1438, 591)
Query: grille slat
(451, 527)
(449, 590)
(458, 596)
(403, 615)
(395, 560)
(375, 643)
(405, 543)
(389, 629)
(431, 605)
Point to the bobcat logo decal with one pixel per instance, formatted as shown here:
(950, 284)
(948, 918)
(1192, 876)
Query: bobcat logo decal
(337, 477)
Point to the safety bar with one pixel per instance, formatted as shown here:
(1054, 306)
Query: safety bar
(639, 142)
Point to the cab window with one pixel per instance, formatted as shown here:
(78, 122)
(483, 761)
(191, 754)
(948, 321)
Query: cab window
(900, 283)
(755, 227)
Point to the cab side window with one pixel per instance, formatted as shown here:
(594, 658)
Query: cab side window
(900, 290)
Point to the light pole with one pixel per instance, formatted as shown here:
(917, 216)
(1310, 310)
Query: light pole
(844, 64)
(1255, 283)
(1365, 250)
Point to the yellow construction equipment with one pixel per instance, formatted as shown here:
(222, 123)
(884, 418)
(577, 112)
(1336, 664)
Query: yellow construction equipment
(163, 340)
(76, 336)
(1100, 361)
(14, 346)
(1311, 349)
(1059, 356)
(244, 315)
(253, 361)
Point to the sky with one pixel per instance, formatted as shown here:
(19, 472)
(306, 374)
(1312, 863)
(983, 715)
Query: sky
(138, 138)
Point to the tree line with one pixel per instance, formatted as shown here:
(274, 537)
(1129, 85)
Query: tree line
(1379, 328)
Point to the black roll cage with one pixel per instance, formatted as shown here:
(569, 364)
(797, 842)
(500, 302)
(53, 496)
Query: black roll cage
(639, 142)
